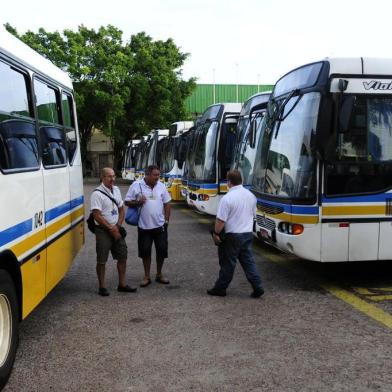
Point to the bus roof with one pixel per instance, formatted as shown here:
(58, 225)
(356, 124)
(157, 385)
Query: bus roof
(360, 65)
(16, 49)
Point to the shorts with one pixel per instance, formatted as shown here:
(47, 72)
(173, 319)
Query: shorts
(147, 237)
(105, 243)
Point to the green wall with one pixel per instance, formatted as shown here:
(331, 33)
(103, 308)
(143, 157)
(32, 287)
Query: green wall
(203, 96)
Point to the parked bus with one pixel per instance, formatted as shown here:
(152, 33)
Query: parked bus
(184, 153)
(245, 149)
(323, 176)
(41, 218)
(140, 157)
(129, 164)
(211, 156)
(172, 165)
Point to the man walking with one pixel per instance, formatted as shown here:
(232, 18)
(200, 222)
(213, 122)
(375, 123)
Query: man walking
(235, 216)
(152, 196)
(108, 211)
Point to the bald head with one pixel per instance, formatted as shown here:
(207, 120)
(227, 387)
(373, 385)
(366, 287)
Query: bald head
(107, 176)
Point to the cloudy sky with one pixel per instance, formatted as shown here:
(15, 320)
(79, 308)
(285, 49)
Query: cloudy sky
(246, 41)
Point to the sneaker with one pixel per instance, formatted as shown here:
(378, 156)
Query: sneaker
(102, 291)
(257, 293)
(217, 292)
(126, 289)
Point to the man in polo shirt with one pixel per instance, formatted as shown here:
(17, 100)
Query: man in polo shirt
(235, 217)
(153, 198)
(108, 210)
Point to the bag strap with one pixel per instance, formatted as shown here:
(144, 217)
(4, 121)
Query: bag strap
(111, 198)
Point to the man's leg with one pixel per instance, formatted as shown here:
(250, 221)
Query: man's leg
(147, 267)
(144, 242)
(247, 262)
(103, 245)
(227, 253)
(121, 268)
(161, 249)
(101, 275)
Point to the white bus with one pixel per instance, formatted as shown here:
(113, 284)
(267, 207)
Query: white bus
(245, 150)
(41, 198)
(129, 163)
(172, 162)
(323, 177)
(211, 156)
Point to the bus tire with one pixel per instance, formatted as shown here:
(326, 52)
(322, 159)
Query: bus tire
(9, 321)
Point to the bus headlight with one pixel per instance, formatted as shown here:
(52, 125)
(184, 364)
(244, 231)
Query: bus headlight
(290, 228)
(203, 197)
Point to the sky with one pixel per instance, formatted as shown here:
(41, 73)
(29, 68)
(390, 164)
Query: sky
(236, 42)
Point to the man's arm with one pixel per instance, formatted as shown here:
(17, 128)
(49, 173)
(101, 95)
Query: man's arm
(166, 211)
(121, 215)
(219, 226)
(112, 229)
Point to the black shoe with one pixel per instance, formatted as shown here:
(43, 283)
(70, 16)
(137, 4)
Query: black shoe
(257, 293)
(102, 291)
(126, 289)
(217, 292)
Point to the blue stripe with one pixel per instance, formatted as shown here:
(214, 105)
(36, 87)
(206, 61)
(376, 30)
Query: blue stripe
(172, 176)
(16, 231)
(293, 209)
(358, 199)
(25, 227)
(77, 202)
(62, 209)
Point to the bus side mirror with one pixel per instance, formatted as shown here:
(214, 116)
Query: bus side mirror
(346, 110)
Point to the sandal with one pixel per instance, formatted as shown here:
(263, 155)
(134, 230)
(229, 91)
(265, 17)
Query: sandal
(103, 292)
(159, 279)
(145, 282)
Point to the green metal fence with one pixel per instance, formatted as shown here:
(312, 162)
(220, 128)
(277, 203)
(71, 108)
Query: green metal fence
(204, 95)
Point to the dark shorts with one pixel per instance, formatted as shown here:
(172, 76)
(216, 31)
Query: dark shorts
(147, 237)
(105, 243)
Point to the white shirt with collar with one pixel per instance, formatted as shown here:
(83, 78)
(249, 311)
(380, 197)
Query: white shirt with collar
(237, 209)
(151, 213)
(108, 208)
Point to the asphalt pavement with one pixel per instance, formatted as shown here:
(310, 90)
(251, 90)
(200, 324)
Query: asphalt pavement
(300, 336)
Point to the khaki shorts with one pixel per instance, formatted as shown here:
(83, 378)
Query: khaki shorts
(105, 243)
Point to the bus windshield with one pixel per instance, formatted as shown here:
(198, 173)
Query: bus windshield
(202, 165)
(286, 166)
(246, 154)
(363, 153)
(167, 159)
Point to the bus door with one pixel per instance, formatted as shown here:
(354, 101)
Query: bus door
(226, 150)
(76, 239)
(56, 181)
(22, 227)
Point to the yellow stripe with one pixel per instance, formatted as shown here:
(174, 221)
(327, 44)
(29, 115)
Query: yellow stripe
(306, 219)
(36, 238)
(364, 307)
(354, 210)
(28, 243)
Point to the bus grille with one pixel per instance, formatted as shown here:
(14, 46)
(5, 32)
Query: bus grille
(268, 224)
(269, 208)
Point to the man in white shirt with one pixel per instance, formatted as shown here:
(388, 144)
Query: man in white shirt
(235, 217)
(153, 198)
(108, 211)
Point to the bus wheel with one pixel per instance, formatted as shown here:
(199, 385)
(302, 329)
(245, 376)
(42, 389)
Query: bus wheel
(8, 326)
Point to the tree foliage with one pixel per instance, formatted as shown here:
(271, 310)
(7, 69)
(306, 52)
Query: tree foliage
(125, 89)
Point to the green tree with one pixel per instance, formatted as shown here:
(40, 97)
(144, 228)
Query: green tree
(123, 89)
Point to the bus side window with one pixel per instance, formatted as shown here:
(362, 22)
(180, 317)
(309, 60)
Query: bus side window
(69, 124)
(18, 139)
(53, 146)
(18, 145)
